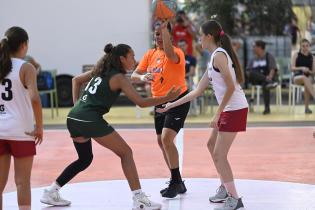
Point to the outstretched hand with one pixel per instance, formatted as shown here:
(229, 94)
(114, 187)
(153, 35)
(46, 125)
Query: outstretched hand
(165, 108)
(171, 96)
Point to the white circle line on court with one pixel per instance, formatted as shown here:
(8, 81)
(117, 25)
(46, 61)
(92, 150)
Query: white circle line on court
(100, 195)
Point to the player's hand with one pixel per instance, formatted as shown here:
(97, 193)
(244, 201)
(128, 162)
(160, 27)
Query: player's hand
(148, 77)
(163, 25)
(214, 122)
(165, 108)
(37, 133)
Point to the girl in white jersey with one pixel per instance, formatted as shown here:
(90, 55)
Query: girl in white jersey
(19, 103)
(225, 75)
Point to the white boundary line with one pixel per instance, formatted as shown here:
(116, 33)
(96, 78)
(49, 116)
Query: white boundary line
(198, 129)
(175, 204)
(180, 148)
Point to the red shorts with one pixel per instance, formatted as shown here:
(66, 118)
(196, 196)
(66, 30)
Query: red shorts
(233, 121)
(17, 148)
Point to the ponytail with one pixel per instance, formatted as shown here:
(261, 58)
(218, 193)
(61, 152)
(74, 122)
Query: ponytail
(226, 44)
(5, 59)
(11, 43)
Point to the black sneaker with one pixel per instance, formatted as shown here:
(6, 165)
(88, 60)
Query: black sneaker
(182, 188)
(174, 189)
(163, 190)
(308, 111)
(266, 111)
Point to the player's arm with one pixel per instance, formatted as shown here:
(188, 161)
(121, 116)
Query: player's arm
(221, 62)
(29, 80)
(138, 75)
(167, 44)
(77, 82)
(120, 82)
(201, 87)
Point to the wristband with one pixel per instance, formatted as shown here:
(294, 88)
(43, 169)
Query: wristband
(142, 78)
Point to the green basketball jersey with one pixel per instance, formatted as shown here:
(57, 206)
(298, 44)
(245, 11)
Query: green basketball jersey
(96, 99)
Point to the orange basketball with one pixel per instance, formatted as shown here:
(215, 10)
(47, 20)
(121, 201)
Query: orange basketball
(164, 9)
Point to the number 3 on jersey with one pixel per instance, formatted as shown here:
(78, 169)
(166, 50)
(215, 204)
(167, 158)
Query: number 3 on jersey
(8, 94)
(93, 88)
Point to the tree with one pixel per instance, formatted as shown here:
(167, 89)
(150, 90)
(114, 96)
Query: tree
(241, 17)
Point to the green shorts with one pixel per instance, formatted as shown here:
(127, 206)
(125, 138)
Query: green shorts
(88, 129)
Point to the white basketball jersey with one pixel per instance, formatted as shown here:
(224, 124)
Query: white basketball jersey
(16, 113)
(238, 99)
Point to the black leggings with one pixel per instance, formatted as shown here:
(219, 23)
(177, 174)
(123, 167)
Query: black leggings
(85, 155)
(257, 78)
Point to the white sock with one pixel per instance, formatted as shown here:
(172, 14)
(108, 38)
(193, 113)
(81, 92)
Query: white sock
(136, 192)
(54, 187)
(25, 208)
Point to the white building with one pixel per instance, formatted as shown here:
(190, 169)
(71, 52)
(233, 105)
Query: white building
(66, 34)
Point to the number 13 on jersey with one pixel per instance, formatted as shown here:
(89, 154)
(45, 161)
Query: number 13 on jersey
(92, 88)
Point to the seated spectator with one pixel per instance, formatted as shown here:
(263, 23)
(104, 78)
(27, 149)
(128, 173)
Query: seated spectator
(262, 70)
(302, 65)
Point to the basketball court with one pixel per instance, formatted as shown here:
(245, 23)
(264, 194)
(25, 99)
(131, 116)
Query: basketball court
(273, 162)
(273, 166)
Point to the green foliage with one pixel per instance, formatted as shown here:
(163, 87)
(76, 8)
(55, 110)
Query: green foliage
(242, 17)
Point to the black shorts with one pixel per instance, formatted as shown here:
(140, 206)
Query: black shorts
(173, 118)
(88, 129)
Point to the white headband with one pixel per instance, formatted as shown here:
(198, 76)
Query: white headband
(6, 38)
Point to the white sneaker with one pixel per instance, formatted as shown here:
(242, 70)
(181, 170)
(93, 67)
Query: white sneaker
(141, 202)
(220, 196)
(54, 199)
(232, 204)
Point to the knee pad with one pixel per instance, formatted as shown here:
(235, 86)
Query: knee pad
(84, 162)
(85, 154)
